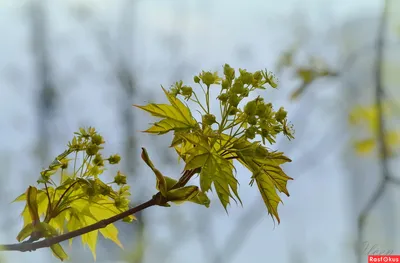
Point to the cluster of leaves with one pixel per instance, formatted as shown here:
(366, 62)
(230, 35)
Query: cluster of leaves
(367, 116)
(208, 147)
(175, 191)
(80, 198)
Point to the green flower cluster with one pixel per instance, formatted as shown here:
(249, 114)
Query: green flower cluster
(256, 117)
(89, 143)
(264, 121)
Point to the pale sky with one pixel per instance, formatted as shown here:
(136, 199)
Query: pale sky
(214, 30)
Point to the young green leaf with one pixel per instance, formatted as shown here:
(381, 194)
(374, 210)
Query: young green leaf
(47, 230)
(195, 149)
(170, 182)
(25, 232)
(183, 110)
(90, 238)
(196, 160)
(161, 183)
(201, 199)
(269, 176)
(197, 139)
(59, 252)
(31, 201)
(177, 116)
(182, 194)
(219, 171)
(101, 211)
(165, 126)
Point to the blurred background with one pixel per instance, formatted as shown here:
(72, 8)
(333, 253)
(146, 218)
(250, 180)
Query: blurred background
(66, 64)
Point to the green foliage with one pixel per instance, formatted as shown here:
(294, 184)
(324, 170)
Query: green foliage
(209, 147)
(79, 199)
(172, 190)
(82, 202)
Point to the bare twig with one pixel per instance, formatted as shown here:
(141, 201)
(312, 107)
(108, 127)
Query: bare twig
(381, 142)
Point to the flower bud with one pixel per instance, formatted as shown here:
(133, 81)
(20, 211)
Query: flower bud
(209, 119)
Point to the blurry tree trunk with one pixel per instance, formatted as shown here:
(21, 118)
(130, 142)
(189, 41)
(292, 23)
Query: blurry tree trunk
(46, 95)
(46, 90)
(125, 74)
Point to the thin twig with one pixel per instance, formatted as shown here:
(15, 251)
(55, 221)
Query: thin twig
(381, 142)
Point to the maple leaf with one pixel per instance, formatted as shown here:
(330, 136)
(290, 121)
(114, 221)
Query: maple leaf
(269, 176)
(176, 116)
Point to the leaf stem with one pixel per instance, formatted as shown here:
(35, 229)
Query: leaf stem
(208, 98)
(198, 102)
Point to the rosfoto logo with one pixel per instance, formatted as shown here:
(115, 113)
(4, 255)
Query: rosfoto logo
(379, 258)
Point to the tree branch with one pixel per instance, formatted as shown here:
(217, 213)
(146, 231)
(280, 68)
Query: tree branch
(23, 247)
(382, 146)
(157, 199)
